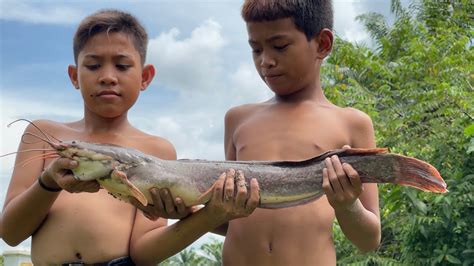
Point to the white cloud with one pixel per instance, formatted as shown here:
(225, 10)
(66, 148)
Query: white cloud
(345, 24)
(43, 14)
(189, 64)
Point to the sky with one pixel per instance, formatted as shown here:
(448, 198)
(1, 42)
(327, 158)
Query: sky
(199, 49)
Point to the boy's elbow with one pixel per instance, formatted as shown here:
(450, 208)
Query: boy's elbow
(140, 258)
(370, 246)
(12, 241)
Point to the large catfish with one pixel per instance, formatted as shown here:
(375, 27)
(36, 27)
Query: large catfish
(126, 172)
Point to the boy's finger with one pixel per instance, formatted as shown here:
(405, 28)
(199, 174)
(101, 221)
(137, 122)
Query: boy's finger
(346, 147)
(341, 174)
(336, 163)
(326, 184)
(241, 186)
(65, 163)
(254, 198)
(168, 201)
(157, 201)
(354, 177)
(333, 180)
(182, 210)
(218, 187)
(229, 186)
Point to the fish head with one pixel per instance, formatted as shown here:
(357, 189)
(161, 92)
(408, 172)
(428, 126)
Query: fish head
(93, 160)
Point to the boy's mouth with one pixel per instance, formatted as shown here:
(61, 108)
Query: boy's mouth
(271, 78)
(108, 93)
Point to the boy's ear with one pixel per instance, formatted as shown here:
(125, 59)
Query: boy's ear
(148, 73)
(72, 72)
(325, 41)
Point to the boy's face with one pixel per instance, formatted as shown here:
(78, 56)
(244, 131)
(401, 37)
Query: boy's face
(109, 74)
(284, 58)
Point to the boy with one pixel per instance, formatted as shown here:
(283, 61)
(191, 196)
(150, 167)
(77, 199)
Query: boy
(289, 40)
(109, 52)
(90, 228)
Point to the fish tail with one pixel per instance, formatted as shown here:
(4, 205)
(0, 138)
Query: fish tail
(419, 174)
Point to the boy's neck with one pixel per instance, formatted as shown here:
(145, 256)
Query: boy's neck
(313, 93)
(94, 124)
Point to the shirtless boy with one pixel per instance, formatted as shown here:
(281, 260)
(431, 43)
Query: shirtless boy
(86, 228)
(289, 41)
(109, 52)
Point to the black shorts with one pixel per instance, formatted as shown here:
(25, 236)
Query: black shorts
(123, 261)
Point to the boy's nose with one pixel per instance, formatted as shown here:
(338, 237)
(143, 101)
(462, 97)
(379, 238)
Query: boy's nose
(108, 77)
(267, 61)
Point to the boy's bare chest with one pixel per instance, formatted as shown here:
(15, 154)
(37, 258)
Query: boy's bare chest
(265, 137)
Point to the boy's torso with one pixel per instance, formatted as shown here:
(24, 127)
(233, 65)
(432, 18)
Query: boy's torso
(292, 236)
(87, 227)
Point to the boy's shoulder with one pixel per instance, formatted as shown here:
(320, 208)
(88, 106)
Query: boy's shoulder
(237, 113)
(356, 118)
(46, 126)
(156, 146)
(245, 110)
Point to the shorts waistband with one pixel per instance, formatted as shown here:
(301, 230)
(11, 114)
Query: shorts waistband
(123, 261)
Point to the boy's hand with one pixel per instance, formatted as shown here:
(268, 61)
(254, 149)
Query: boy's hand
(58, 175)
(341, 183)
(230, 198)
(163, 206)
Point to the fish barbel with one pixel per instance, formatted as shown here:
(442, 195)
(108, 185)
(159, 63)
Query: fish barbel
(126, 172)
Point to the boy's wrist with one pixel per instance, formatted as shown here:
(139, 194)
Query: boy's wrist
(211, 217)
(355, 207)
(47, 184)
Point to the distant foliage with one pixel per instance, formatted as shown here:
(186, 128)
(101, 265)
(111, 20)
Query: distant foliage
(417, 85)
(209, 254)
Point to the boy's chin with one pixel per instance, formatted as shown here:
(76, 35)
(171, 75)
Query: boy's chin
(282, 92)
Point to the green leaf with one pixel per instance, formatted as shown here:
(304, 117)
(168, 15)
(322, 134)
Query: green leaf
(469, 131)
(471, 146)
(452, 259)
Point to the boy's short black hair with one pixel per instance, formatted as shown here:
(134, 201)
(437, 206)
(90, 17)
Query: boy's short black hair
(309, 16)
(111, 20)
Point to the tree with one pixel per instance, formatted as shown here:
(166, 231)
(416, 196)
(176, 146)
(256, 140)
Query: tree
(209, 254)
(416, 84)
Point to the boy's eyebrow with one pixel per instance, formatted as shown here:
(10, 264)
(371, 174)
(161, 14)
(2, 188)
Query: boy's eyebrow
(272, 38)
(119, 56)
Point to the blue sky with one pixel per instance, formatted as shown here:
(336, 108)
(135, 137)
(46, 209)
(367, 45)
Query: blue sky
(199, 49)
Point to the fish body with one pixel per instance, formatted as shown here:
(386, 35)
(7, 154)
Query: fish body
(126, 172)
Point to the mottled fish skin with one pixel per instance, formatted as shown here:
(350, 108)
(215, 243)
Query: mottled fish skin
(282, 183)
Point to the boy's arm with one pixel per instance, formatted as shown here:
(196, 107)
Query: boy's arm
(153, 242)
(356, 205)
(28, 203)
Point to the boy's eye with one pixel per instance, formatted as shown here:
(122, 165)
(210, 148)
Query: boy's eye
(280, 47)
(122, 67)
(93, 67)
(256, 51)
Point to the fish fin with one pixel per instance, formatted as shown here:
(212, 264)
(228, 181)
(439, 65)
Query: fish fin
(290, 203)
(418, 174)
(134, 191)
(204, 198)
(322, 156)
(362, 151)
